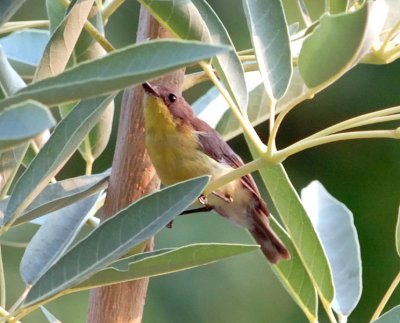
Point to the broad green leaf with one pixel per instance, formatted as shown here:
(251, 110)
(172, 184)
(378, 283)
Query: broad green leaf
(392, 316)
(22, 60)
(8, 8)
(53, 238)
(398, 233)
(300, 229)
(270, 38)
(63, 40)
(162, 262)
(115, 71)
(22, 122)
(334, 224)
(337, 6)
(338, 43)
(63, 142)
(258, 111)
(197, 20)
(115, 237)
(295, 278)
(50, 317)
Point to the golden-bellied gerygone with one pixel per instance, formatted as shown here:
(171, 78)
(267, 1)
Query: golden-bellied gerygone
(182, 146)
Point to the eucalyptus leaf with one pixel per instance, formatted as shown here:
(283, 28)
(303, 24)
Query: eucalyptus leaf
(62, 41)
(392, 316)
(8, 8)
(270, 37)
(63, 142)
(334, 224)
(55, 12)
(120, 69)
(164, 261)
(115, 237)
(9, 79)
(197, 20)
(53, 238)
(22, 122)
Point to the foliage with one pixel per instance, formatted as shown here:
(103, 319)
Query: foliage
(68, 83)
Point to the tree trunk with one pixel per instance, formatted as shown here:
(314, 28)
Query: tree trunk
(132, 177)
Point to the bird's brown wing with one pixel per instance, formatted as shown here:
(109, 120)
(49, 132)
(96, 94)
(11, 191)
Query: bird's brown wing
(215, 147)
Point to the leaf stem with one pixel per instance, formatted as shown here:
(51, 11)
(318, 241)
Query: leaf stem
(12, 26)
(244, 122)
(5, 316)
(386, 297)
(2, 282)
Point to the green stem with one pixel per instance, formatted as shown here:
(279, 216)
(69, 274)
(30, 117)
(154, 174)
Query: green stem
(249, 51)
(271, 140)
(2, 282)
(244, 122)
(386, 297)
(281, 155)
(247, 58)
(12, 26)
(5, 316)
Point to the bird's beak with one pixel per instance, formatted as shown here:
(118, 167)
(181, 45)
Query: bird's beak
(150, 89)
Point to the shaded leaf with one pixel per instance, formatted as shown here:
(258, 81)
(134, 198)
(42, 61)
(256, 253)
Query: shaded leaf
(115, 71)
(63, 142)
(8, 8)
(62, 41)
(270, 38)
(164, 261)
(334, 224)
(53, 238)
(22, 122)
(392, 316)
(115, 237)
(197, 20)
(398, 233)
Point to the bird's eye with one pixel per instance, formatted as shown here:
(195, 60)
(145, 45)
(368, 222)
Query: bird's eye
(171, 97)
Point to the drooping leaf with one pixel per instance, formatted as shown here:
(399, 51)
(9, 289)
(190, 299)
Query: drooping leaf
(8, 8)
(22, 122)
(197, 20)
(334, 224)
(392, 316)
(63, 142)
(115, 237)
(270, 37)
(62, 41)
(115, 71)
(162, 262)
(53, 238)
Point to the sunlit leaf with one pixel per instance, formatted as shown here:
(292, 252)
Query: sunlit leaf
(115, 237)
(334, 224)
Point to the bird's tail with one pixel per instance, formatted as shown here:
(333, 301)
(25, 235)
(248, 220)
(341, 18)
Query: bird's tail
(271, 246)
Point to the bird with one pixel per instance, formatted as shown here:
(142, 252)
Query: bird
(182, 146)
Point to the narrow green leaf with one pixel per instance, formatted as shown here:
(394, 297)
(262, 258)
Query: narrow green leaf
(63, 40)
(340, 243)
(270, 38)
(8, 8)
(9, 79)
(53, 238)
(392, 316)
(197, 20)
(115, 71)
(64, 140)
(300, 229)
(22, 122)
(115, 237)
(50, 317)
(398, 233)
(162, 262)
(333, 47)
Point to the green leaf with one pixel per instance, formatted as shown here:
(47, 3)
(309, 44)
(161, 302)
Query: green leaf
(340, 243)
(8, 8)
(295, 278)
(50, 317)
(337, 6)
(9, 78)
(162, 262)
(115, 71)
(63, 40)
(56, 12)
(197, 20)
(63, 142)
(270, 38)
(392, 316)
(22, 60)
(22, 122)
(333, 47)
(19, 237)
(398, 233)
(53, 238)
(115, 237)
(300, 229)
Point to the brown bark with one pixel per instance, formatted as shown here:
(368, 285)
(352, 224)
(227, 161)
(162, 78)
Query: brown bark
(132, 177)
